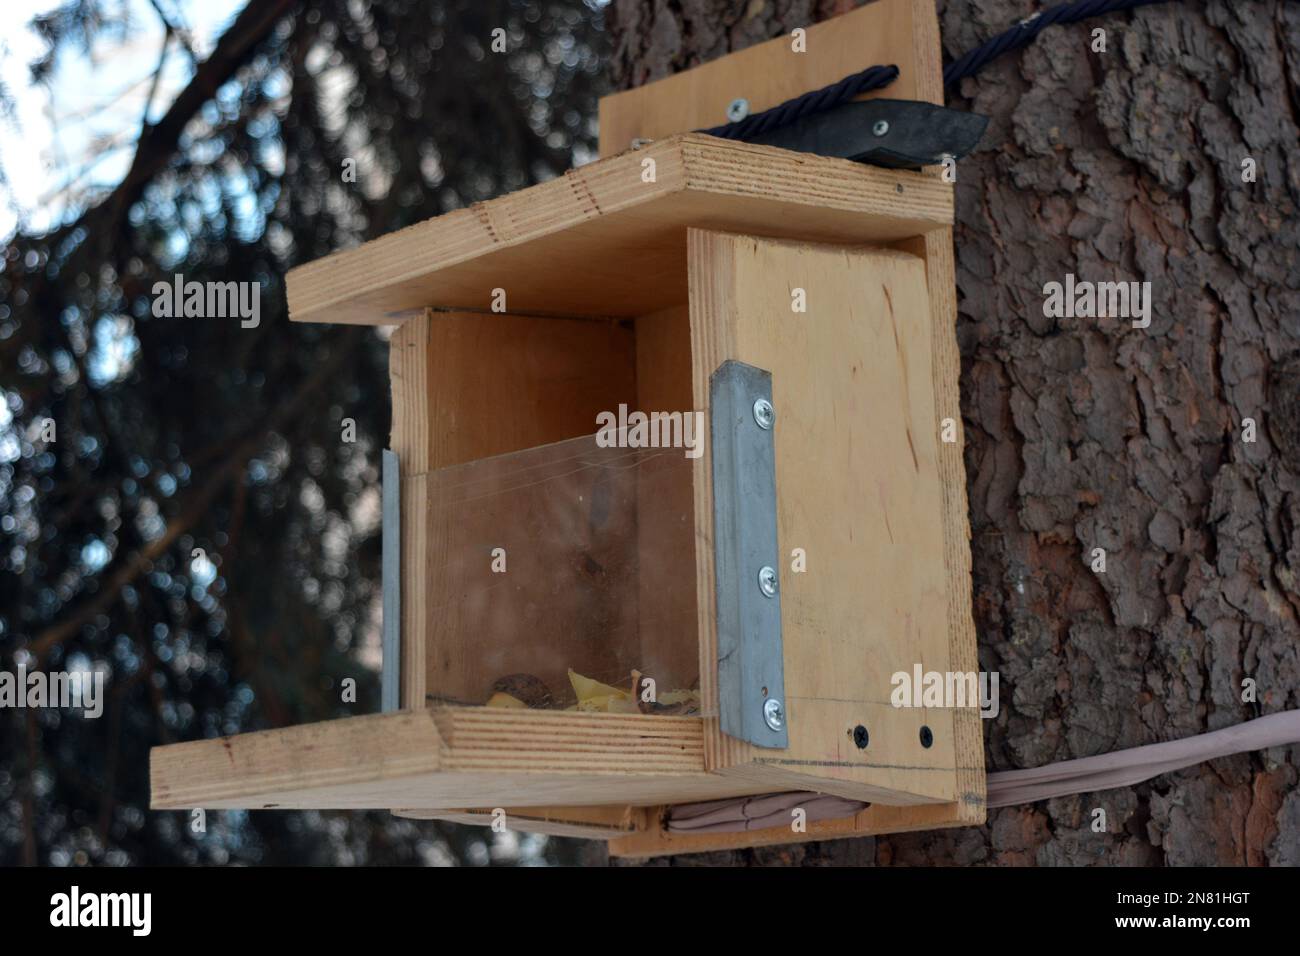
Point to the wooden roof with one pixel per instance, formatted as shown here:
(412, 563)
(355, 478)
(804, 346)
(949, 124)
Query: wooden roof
(601, 241)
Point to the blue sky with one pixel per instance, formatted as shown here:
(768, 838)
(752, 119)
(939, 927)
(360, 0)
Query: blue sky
(92, 107)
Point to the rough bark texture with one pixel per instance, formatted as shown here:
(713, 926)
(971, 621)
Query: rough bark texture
(1088, 433)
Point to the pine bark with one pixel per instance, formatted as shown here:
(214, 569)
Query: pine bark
(1089, 433)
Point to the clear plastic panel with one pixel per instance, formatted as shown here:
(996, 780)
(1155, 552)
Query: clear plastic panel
(559, 573)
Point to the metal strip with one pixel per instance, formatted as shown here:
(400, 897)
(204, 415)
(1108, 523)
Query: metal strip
(390, 674)
(751, 669)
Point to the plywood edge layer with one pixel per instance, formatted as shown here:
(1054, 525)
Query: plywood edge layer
(257, 766)
(916, 201)
(448, 757)
(608, 208)
(463, 234)
(937, 248)
(778, 775)
(968, 727)
(585, 823)
(489, 738)
(875, 820)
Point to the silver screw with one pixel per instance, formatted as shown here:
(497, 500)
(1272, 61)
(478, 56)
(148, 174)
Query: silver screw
(767, 581)
(773, 713)
(737, 109)
(764, 413)
(880, 127)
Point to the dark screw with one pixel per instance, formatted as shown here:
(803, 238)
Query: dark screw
(927, 737)
(860, 737)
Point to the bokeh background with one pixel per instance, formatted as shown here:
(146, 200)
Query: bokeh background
(199, 526)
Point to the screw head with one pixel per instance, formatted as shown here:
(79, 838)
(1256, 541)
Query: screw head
(764, 414)
(880, 127)
(773, 713)
(767, 581)
(737, 109)
(927, 737)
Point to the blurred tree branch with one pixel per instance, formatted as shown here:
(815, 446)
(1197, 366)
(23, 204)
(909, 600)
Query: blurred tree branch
(177, 30)
(199, 502)
(158, 142)
(176, 434)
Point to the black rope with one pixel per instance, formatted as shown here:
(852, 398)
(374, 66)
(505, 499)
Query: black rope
(875, 77)
(1027, 30)
(872, 78)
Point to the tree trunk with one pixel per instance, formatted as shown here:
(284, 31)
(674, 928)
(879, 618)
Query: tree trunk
(1086, 433)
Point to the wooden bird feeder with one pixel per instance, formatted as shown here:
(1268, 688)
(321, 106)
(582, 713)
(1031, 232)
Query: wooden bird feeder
(769, 583)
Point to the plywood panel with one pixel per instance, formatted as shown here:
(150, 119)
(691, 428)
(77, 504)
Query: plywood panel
(496, 384)
(968, 730)
(857, 488)
(626, 239)
(409, 357)
(665, 513)
(603, 241)
(584, 823)
(500, 383)
(904, 32)
(768, 74)
(466, 387)
(936, 248)
(444, 758)
(652, 840)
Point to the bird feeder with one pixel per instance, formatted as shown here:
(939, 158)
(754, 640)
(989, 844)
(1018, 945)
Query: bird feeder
(669, 499)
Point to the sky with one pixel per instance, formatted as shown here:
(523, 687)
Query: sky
(46, 148)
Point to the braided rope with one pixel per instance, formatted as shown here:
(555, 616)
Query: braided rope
(875, 77)
(872, 78)
(1027, 30)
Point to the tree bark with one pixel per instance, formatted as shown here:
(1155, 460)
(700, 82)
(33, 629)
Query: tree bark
(1088, 433)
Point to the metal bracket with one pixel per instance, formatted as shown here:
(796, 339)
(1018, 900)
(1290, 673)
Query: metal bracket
(898, 134)
(751, 668)
(390, 673)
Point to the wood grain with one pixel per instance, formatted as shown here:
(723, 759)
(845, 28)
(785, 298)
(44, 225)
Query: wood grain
(936, 248)
(767, 74)
(584, 823)
(652, 840)
(772, 74)
(665, 526)
(601, 241)
(446, 757)
(410, 437)
(857, 489)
